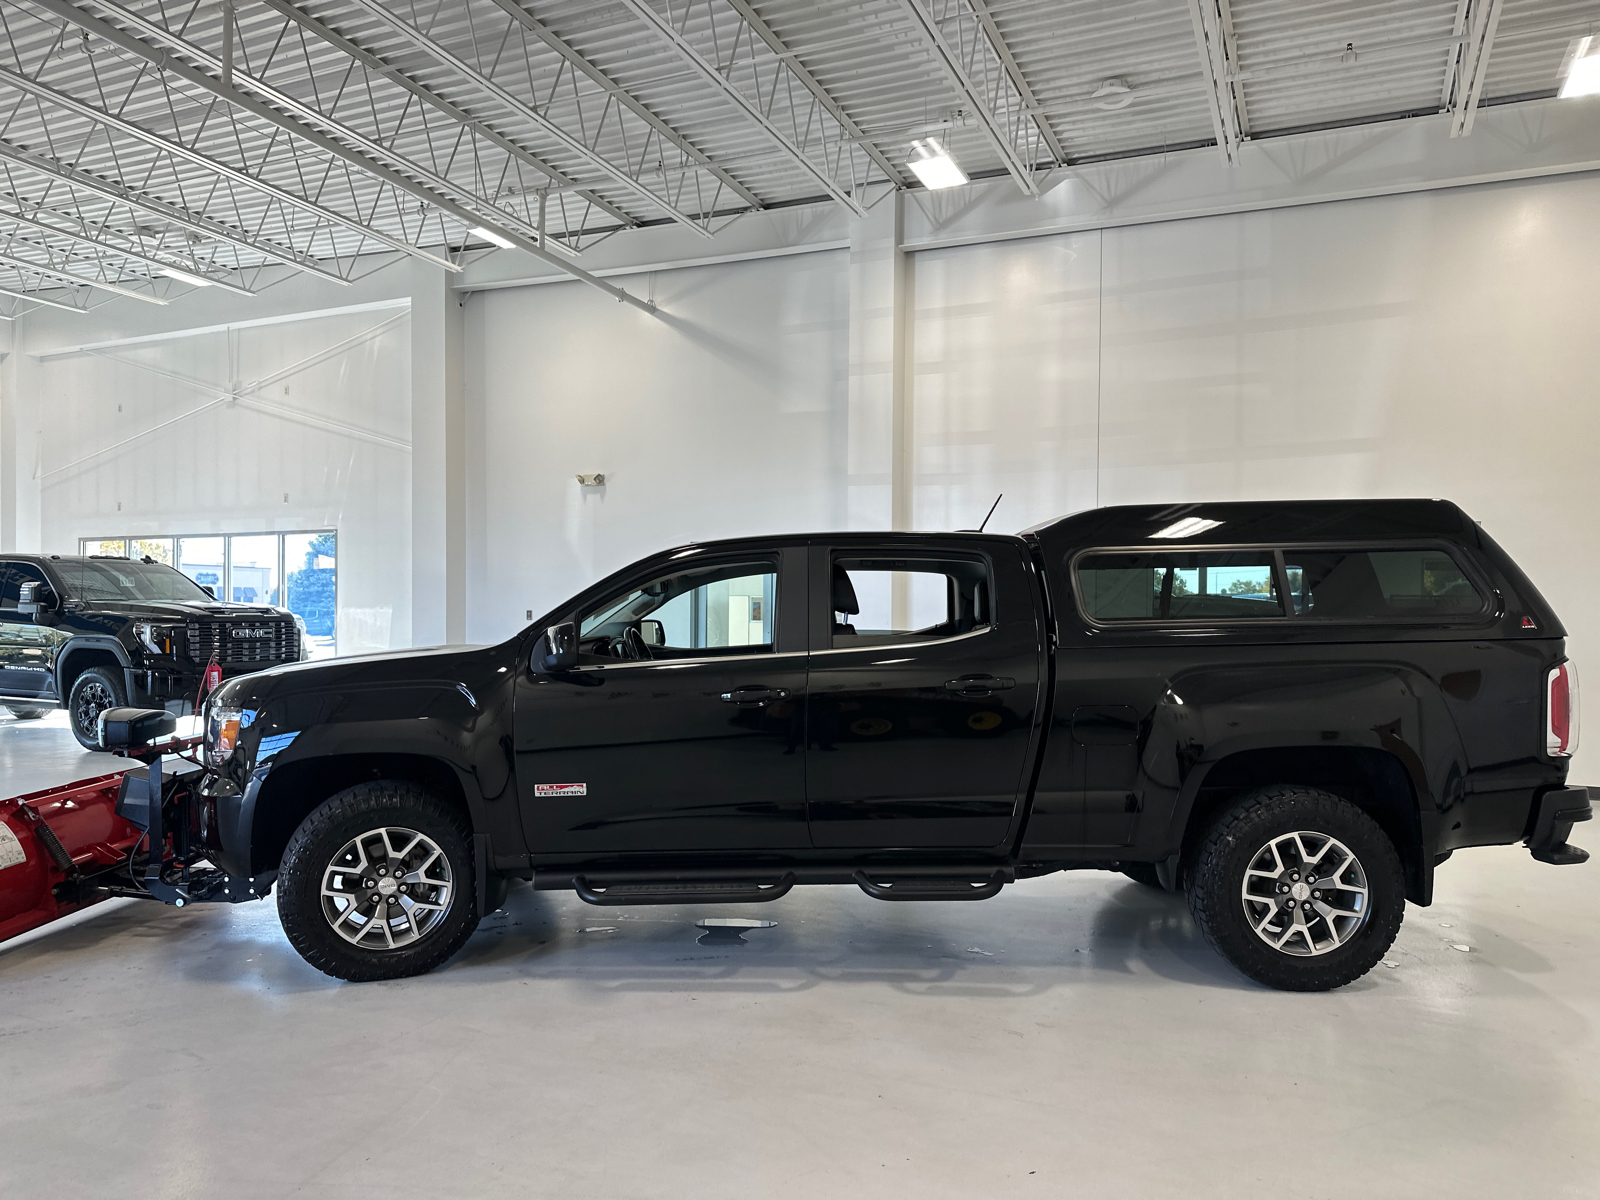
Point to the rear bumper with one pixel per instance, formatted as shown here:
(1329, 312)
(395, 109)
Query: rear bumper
(1554, 815)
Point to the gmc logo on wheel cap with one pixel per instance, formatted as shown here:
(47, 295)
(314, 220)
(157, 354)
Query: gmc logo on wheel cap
(257, 631)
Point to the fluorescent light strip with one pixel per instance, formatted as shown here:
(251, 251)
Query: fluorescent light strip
(1186, 528)
(185, 277)
(1583, 69)
(489, 235)
(931, 163)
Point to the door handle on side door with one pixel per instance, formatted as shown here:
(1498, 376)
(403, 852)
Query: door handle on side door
(754, 694)
(979, 685)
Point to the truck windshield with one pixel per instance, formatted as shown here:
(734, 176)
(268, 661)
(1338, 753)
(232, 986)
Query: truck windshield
(119, 579)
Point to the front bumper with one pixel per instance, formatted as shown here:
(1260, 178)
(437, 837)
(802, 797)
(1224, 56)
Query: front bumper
(1554, 815)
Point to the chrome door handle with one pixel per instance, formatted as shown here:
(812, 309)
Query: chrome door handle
(755, 694)
(979, 685)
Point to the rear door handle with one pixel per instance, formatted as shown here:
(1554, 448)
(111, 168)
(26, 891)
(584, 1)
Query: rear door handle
(755, 694)
(979, 685)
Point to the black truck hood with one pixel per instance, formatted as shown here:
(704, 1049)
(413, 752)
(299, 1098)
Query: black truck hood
(177, 610)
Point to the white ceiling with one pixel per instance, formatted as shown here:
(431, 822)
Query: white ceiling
(351, 127)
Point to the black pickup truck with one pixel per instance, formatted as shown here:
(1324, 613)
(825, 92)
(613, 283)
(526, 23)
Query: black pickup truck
(1292, 711)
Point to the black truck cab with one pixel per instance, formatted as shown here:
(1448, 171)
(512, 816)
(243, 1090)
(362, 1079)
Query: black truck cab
(1228, 699)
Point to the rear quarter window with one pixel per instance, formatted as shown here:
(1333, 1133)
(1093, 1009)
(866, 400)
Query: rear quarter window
(1219, 585)
(1367, 585)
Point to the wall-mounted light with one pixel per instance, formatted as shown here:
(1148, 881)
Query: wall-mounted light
(931, 163)
(489, 235)
(1580, 70)
(592, 480)
(185, 277)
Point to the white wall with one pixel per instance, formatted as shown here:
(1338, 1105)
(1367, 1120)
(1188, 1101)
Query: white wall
(724, 416)
(156, 454)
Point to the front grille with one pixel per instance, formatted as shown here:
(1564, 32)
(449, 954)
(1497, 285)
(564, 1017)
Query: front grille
(216, 637)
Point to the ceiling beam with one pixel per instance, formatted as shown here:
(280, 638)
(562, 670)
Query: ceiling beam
(708, 72)
(360, 141)
(193, 268)
(569, 142)
(601, 80)
(991, 95)
(394, 75)
(33, 299)
(23, 264)
(1018, 80)
(809, 81)
(196, 158)
(1219, 62)
(171, 213)
(321, 140)
(1483, 22)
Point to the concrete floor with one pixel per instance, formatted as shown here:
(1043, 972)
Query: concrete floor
(1073, 1036)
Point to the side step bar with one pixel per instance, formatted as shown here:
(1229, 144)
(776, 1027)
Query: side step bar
(932, 889)
(699, 892)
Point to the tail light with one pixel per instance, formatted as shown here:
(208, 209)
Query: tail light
(1561, 711)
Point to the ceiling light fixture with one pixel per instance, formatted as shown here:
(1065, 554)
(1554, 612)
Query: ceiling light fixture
(1112, 95)
(1581, 68)
(186, 277)
(1186, 528)
(489, 235)
(931, 163)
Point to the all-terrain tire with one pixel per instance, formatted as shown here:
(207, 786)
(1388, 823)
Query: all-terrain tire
(96, 690)
(331, 827)
(1240, 833)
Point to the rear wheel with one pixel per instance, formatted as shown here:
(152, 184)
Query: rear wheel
(96, 690)
(378, 883)
(1298, 888)
(23, 713)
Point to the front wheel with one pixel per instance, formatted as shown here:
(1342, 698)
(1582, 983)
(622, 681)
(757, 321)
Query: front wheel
(378, 883)
(96, 690)
(1298, 888)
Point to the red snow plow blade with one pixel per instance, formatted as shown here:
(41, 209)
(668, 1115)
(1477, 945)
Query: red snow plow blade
(65, 848)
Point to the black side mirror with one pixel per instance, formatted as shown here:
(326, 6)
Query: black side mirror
(134, 728)
(35, 597)
(209, 590)
(559, 649)
(652, 633)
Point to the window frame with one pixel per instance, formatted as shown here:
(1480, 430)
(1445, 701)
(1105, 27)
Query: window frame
(823, 554)
(1289, 618)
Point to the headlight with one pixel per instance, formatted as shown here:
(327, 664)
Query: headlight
(222, 734)
(158, 639)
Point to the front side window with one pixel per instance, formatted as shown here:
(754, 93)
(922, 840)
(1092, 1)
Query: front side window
(1365, 585)
(877, 601)
(726, 609)
(1212, 585)
(12, 576)
(134, 582)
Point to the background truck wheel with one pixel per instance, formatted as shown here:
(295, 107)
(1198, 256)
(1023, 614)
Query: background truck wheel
(96, 690)
(1299, 889)
(23, 713)
(378, 883)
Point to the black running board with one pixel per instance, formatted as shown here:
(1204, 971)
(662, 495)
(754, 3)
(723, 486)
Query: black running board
(932, 889)
(698, 892)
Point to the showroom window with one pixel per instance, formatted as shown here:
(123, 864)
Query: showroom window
(296, 571)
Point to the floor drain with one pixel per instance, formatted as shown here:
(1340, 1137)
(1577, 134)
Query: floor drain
(728, 931)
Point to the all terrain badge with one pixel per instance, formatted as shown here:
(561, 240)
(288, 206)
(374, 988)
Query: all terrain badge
(561, 789)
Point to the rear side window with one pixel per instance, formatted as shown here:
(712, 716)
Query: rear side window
(1365, 585)
(881, 601)
(1220, 585)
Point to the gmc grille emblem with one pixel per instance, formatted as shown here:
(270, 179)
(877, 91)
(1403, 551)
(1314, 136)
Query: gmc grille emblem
(257, 632)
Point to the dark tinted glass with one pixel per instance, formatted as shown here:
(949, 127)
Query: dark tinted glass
(1179, 586)
(1365, 585)
(135, 582)
(12, 577)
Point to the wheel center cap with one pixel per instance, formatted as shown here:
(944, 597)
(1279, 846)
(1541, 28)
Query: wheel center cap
(389, 885)
(1299, 891)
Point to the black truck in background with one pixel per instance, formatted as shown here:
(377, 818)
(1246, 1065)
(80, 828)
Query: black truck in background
(1292, 711)
(91, 633)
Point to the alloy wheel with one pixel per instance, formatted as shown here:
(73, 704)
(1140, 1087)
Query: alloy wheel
(387, 888)
(1305, 893)
(93, 699)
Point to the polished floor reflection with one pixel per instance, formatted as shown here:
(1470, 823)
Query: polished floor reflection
(1073, 1036)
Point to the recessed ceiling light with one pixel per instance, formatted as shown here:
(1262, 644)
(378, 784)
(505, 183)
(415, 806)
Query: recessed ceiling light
(931, 163)
(1186, 528)
(186, 277)
(1581, 69)
(489, 235)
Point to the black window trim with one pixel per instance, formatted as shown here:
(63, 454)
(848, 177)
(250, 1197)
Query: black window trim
(1487, 612)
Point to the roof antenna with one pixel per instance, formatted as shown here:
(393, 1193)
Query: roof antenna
(990, 513)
